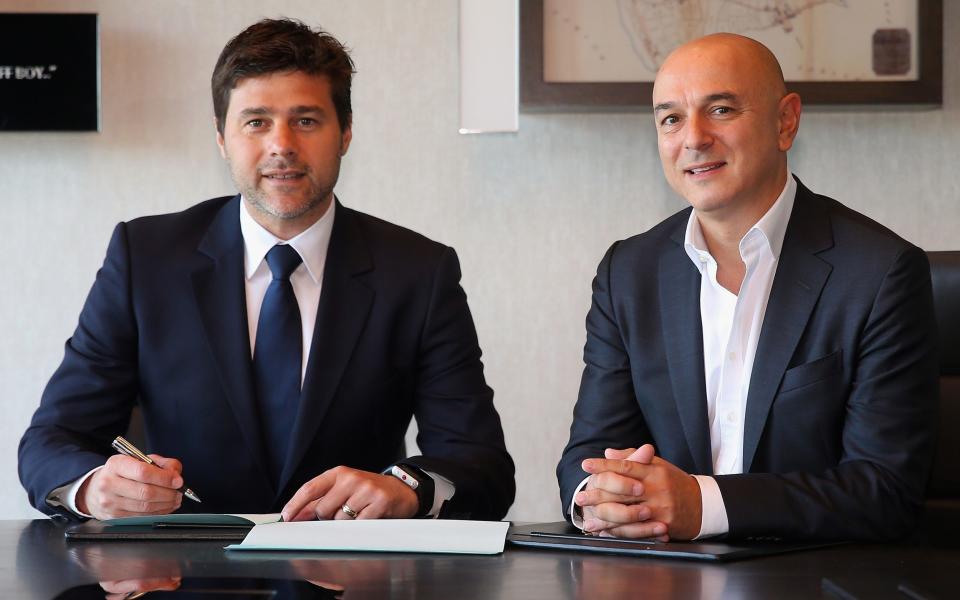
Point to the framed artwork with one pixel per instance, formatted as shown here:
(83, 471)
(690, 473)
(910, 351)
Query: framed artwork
(602, 55)
(49, 72)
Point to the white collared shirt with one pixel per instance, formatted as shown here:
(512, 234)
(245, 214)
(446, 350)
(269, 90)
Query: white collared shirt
(307, 279)
(731, 329)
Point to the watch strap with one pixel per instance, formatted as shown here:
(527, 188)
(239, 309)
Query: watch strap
(418, 480)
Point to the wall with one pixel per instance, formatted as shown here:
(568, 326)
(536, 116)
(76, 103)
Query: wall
(530, 214)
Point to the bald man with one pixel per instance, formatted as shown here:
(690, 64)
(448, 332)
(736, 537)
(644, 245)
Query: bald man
(761, 364)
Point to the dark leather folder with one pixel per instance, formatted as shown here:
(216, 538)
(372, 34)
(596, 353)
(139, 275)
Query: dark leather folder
(98, 530)
(564, 536)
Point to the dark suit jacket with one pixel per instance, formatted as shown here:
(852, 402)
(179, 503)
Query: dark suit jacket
(840, 410)
(165, 325)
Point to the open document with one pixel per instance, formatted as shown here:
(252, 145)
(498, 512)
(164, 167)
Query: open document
(383, 535)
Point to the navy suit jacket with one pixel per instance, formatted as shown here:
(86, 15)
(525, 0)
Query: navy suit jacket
(839, 422)
(165, 326)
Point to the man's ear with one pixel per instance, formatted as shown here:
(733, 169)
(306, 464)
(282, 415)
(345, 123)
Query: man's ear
(220, 142)
(788, 116)
(346, 137)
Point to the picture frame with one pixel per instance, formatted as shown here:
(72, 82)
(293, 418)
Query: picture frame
(537, 95)
(49, 72)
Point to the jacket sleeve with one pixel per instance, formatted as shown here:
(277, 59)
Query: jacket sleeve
(606, 414)
(459, 431)
(89, 398)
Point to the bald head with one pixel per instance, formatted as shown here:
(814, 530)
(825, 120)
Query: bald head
(724, 124)
(754, 61)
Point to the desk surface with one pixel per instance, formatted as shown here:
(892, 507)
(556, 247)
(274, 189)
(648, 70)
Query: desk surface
(37, 562)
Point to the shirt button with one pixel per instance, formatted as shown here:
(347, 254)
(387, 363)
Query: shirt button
(732, 356)
(703, 259)
(731, 417)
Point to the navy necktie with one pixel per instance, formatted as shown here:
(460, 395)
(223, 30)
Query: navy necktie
(277, 357)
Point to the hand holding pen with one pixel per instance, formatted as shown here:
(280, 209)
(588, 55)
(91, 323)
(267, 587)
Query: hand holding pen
(128, 485)
(121, 445)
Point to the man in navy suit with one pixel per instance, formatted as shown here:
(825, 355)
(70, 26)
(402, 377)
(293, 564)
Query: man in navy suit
(763, 363)
(183, 319)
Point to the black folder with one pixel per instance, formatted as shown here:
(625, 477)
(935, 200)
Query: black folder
(98, 530)
(563, 536)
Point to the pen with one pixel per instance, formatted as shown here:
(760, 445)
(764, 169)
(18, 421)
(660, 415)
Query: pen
(124, 447)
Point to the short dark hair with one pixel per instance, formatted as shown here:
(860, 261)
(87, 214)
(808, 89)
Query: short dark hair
(282, 45)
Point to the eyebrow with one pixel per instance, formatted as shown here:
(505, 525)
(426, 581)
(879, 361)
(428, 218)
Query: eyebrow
(728, 96)
(304, 109)
(725, 96)
(258, 111)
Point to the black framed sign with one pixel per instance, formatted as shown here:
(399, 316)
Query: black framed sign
(49, 72)
(603, 54)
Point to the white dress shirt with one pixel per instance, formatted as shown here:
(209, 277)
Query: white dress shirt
(307, 282)
(731, 326)
(306, 279)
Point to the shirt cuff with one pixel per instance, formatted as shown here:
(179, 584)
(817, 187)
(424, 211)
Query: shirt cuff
(714, 519)
(576, 513)
(443, 490)
(65, 496)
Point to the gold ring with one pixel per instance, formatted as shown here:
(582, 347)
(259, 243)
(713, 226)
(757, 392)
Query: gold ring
(349, 511)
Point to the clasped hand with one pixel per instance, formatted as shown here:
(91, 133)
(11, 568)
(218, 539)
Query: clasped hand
(633, 493)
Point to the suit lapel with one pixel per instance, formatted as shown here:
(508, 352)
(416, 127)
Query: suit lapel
(683, 341)
(345, 303)
(799, 279)
(219, 291)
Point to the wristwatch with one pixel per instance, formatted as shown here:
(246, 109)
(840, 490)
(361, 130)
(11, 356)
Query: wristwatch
(419, 482)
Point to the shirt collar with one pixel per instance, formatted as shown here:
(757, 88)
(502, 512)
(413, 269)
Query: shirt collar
(311, 244)
(771, 228)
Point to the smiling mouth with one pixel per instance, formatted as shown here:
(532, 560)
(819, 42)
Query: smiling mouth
(704, 168)
(283, 176)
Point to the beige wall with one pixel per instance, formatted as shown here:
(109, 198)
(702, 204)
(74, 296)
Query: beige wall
(530, 214)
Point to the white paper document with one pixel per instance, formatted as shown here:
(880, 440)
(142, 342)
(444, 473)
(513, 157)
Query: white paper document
(197, 519)
(381, 535)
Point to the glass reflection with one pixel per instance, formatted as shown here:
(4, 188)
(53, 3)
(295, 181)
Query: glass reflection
(125, 572)
(203, 589)
(603, 578)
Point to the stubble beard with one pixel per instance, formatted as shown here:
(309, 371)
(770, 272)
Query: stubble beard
(261, 202)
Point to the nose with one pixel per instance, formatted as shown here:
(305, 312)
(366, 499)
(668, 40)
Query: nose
(282, 141)
(697, 133)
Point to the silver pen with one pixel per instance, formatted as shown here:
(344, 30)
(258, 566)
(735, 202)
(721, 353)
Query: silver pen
(126, 448)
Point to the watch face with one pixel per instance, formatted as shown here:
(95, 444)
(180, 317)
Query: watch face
(404, 477)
